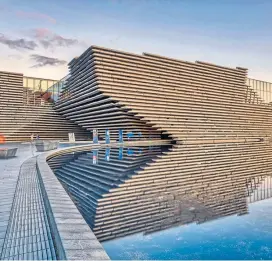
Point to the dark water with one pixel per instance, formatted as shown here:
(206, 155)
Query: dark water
(171, 224)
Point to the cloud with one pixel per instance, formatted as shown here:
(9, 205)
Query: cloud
(40, 37)
(36, 16)
(42, 61)
(18, 43)
(49, 39)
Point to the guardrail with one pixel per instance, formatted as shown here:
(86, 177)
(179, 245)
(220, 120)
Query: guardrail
(262, 89)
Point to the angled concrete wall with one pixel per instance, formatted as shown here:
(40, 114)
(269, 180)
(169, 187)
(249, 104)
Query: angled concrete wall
(190, 102)
(85, 104)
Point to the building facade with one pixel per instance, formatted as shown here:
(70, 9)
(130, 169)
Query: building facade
(24, 111)
(219, 120)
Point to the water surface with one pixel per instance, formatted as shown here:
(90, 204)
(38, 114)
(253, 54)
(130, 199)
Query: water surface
(134, 217)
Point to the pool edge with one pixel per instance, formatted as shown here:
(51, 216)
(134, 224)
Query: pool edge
(74, 239)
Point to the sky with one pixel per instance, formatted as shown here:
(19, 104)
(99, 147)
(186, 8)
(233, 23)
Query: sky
(38, 38)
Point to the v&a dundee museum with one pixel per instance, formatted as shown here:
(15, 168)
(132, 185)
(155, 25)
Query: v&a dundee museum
(136, 157)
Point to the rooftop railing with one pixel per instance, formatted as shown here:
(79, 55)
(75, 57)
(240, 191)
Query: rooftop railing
(261, 89)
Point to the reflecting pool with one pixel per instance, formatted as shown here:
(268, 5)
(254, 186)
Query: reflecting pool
(141, 206)
(234, 237)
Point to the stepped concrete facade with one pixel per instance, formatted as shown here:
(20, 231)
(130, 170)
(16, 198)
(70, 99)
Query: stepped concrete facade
(220, 124)
(189, 102)
(147, 95)
(11, 89)
(23, 112)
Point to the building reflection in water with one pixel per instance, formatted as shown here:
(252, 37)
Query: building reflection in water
(122, 191)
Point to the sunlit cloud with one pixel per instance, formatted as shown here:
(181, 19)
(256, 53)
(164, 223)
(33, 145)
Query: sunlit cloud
(49, 39)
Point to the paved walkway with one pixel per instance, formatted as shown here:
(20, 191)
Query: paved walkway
(24, 211)
(39, 221)
(9, 173)
(28, 235)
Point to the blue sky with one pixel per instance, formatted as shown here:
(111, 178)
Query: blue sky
(225, 32)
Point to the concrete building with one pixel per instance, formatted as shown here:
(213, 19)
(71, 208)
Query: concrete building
(24, 111)
(149, 97)
(221, 124)
(218, 120)
(189, 102)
